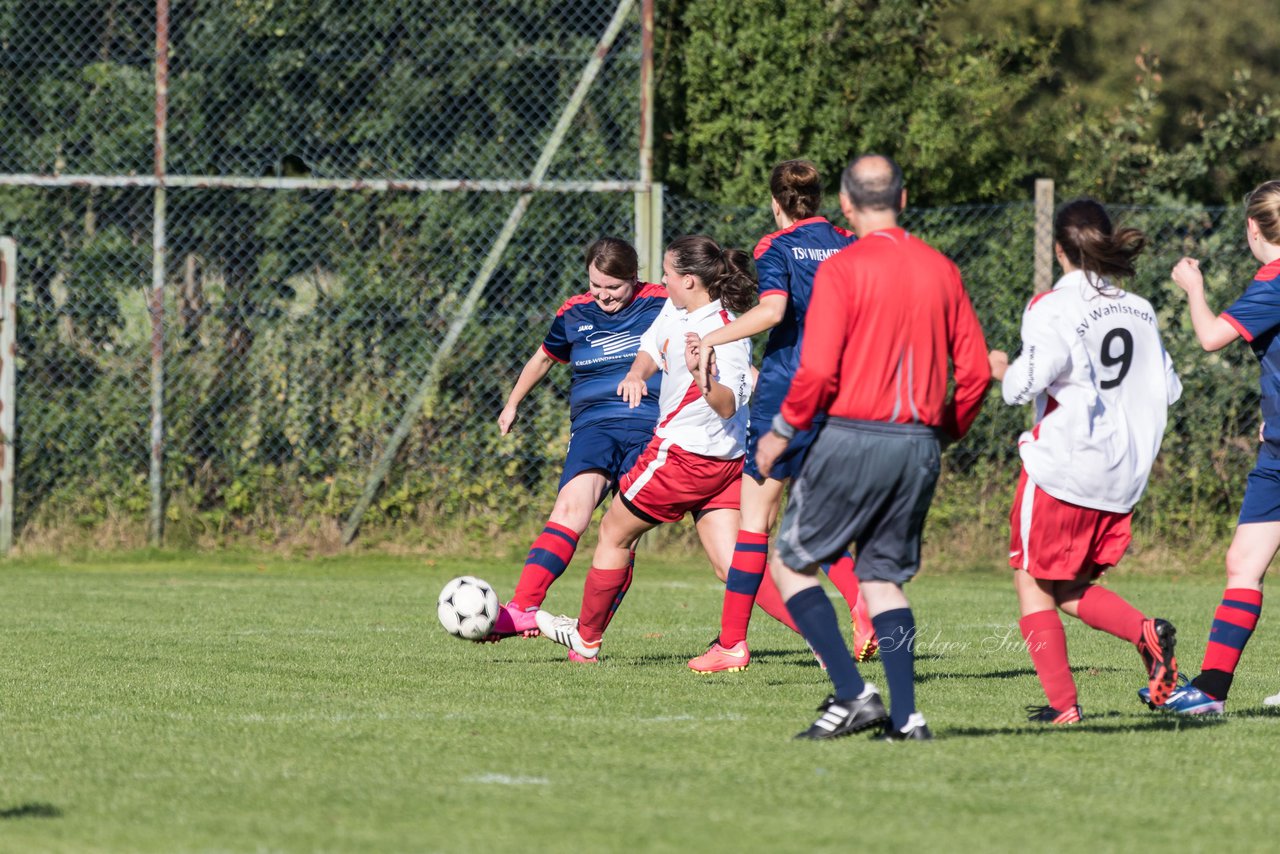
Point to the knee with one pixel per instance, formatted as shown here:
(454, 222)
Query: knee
(612, 534)
(1242, 570)
(572, 513)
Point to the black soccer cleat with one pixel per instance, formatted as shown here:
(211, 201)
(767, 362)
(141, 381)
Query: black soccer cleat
(915, 730)
(840, 718)
(1050, 715)
(1156, 647)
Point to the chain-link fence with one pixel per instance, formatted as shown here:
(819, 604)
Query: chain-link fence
(301, 319)
(324, 198)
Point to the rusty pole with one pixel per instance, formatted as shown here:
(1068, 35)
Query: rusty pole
(156, 297)
(648, 238)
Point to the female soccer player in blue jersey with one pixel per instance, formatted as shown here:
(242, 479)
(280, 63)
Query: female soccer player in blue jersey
(693, 462)
(598, 334)
(1255, 316)
(786, 262)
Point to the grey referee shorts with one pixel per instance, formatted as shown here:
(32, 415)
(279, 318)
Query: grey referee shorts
(868, 483)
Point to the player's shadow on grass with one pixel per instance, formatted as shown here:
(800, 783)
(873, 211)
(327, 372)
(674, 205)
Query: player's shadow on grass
(1116, 723)
(1016, 673)
(30, 811)
(773, 656)
(1258, 712)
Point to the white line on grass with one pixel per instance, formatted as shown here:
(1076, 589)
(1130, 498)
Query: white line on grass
(505, 780)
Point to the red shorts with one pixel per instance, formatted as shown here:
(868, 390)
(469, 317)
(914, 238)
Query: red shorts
(1057, 541)
(668, 482)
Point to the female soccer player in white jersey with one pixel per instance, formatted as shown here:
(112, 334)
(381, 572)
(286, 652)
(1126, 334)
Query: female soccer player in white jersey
(1255, 316)
(598, 334)
(693, 463)
(1093, 363)
(786, 262)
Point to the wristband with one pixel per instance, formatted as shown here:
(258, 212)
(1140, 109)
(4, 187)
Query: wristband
(780, 426)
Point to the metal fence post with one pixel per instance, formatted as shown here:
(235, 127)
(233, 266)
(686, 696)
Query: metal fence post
(657, 198)
(428, 384)
(8, 385)
(1044, 235)
(156, 297)
(650, 262)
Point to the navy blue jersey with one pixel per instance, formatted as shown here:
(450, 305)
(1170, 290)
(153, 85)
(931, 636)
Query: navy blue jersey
(600, 348)
(786, 262)
(1256, 316)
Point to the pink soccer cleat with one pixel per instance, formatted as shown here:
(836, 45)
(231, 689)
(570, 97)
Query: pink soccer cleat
(722, 659)
(512, 622)
(582, 659)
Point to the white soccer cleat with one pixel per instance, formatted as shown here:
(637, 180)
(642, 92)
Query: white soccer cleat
(564, 631)
(1273, 700)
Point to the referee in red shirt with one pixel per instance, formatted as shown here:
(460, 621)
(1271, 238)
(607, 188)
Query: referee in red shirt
(887, 314)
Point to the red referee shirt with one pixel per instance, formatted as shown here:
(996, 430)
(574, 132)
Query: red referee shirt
(887, 314)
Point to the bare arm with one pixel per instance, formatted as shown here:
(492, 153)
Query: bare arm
(635, 384)
(1212, 331)
(532, 373)
(763, 316)
(719, 397)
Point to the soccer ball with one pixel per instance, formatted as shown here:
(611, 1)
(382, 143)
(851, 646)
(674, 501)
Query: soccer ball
(467, 608)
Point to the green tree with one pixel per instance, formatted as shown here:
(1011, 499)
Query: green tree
(1175, 93)
(744, 85)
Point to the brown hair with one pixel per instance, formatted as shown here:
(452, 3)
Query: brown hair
(797, 188)
(613, 257)
(1083, 230)
(725, 273)
(1262, 206)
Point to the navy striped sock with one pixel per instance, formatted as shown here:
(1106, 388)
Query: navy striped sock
(896, 630)
(812, 611)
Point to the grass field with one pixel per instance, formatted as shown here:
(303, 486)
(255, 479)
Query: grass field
(224, 703)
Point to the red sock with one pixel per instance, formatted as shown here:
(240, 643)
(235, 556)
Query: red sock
(770, 601)
(548, 557)
(841, 575)
(1047, 643)
(602, 590)
(617, 600)
(746, 572)
(1233, 624)
(1108, 612)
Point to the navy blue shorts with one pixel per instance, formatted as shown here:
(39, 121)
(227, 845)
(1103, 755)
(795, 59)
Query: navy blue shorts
(1261, 496)
(789, 463)
(606, 446)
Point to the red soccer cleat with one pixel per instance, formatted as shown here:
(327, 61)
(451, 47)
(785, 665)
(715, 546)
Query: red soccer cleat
(1050, 715)
(1156, 647)
(865, 644)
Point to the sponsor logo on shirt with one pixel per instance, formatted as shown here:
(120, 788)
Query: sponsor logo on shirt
(811, 253)
(585, 327)
(614, 342)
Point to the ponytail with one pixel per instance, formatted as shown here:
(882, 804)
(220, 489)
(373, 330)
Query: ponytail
(797, 188)
(1083, 230)
(725, 273)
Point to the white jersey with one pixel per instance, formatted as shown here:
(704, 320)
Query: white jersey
(685, 417)
(1102, 384)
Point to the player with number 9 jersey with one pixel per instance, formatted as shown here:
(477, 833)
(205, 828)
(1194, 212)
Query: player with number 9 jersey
(1094, 364)
(1095, 367)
